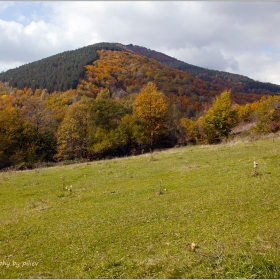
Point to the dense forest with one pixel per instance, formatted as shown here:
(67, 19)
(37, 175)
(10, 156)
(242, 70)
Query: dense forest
(123, 104)
(63, 71)
(58, 72)
(238, 83)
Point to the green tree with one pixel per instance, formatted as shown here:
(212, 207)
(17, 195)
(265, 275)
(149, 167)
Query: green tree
(130, 135)
(105, 118)
(106, 113)
(103, 142)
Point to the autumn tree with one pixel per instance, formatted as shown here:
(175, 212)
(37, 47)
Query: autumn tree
(173, 130)
(151, 107)
(18, 145)
(130, 135)
(267, 114)
(220, 118)
(35, 111)
(103, 94)
(73, 131)
(192, 130)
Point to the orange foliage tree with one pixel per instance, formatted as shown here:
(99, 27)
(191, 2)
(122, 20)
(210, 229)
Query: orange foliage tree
(151, 107)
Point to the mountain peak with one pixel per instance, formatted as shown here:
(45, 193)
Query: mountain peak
(65, 70)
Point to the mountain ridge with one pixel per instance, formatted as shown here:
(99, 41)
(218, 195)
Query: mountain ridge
(64, 70)
(193, 70)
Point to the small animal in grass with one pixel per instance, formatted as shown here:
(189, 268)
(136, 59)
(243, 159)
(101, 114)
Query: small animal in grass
(255, 172)
(68, 188)
(193, 246)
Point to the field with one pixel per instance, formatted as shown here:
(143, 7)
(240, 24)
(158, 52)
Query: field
(134, 217)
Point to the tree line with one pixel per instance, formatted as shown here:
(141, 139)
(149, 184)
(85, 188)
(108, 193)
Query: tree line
(38, 126)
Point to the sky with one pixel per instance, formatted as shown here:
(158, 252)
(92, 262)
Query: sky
(237, 37)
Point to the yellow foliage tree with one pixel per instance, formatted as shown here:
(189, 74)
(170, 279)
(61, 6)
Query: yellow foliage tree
(72, 132)
(267, 114)
(244, 112)
(192, 130)
(220, 118)
(151, 107)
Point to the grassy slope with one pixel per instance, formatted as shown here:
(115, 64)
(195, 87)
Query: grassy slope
(115, 225)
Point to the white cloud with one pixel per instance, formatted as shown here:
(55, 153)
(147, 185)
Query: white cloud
(25, 43)
(9, 65)
(239, 37)
(5, 5)
(10, 31)
(23, 19)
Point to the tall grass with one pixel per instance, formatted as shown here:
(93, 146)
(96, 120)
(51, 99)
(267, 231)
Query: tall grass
(115, 225)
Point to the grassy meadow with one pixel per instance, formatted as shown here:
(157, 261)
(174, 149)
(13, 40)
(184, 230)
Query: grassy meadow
(133, 217)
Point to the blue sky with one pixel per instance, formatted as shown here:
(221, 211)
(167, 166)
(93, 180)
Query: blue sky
(237, 37)
(24, 12)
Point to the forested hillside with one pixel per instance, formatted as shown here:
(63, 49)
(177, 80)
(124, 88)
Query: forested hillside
(123, 104)
(238, 83)
(59, 72)
(124, 73)
(63, 71)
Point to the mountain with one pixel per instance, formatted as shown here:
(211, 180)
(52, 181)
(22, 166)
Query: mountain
(56, 73)
(234, 81)
(91, 103)
(124, 73)
(66, 70)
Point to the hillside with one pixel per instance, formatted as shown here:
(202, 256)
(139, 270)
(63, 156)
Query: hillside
(123, 104)
(63, 71)
(55, 73)
(125, 73)
(132, 218)
(238, 83)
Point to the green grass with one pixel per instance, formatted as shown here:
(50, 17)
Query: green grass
(115, 225)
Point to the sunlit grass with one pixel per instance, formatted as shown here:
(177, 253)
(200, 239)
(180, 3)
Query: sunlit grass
(114, 224)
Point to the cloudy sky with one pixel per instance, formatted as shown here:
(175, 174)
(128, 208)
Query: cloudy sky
(237, 37)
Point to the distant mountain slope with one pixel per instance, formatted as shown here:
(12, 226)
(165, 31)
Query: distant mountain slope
(56, 73)
(124, 73)
(236, 82)
(65, 70)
